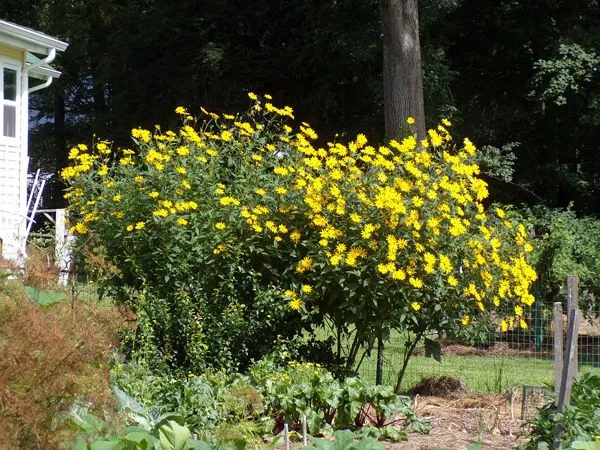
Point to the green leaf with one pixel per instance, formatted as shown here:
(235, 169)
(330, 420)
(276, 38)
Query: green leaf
(343, 439)
(433, 349)
(475, 447)
(173, 436)
(368, 444)
(199, 445)
(585, 445)
(109, 444)
(142, 439)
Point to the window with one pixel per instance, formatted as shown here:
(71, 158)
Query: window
(9, 79)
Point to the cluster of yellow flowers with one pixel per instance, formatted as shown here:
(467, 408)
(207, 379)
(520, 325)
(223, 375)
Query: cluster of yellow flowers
(410, 211)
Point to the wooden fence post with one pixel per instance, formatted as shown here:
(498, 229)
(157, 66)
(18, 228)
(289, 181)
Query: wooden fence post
(558, 347)
(567, 377)
(286, 436)
(572, 305)
(571, 353)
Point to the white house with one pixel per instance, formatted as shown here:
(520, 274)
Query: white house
(25, 57)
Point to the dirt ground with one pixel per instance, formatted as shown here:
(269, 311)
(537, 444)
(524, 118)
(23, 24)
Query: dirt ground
(494, 421)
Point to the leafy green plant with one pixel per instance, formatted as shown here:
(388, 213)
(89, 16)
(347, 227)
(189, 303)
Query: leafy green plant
(568, 245)
(346, 440)
(148, 430)
(578, 421)
(306, 390)
(214, 406)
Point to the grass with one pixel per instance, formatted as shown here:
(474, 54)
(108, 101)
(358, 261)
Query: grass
(479, 373)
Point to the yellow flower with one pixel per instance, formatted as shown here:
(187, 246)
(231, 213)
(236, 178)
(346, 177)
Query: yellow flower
(220, 226)
(295, 237)
(162, 212)
(141, 134)
(182, 221)
(138, 179)
(416, 282)
(140, 225)
(181, 111)
(80, 228)
(452, 281)
(183, 151)
(306, 289)
(130, 227)
(410, 120)
(117, 198)
(295, 304)
(416, 306)
(252, 96)
(465, 320)
(304, 265)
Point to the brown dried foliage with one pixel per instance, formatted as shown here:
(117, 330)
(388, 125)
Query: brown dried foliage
(40, 270)
(49, 357)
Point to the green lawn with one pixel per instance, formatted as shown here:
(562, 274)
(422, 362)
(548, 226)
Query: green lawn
(479, 373)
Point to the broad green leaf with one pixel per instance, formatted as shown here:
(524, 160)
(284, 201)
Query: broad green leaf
(433, 349)
(109, 444)
(173, 436)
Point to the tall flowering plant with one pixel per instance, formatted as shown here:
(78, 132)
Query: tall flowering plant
(367, 238)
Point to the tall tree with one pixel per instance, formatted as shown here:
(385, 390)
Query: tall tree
(402, 73)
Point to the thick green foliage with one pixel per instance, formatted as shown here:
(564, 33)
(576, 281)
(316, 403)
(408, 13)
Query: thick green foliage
(579, 421)
(212, 405)
(568, 245)
(306, 390)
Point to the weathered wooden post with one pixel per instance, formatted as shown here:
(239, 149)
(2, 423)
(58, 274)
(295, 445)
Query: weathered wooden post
(570, 360)
(286, 436)
(558, 347)
(568, 374)
(573, 305)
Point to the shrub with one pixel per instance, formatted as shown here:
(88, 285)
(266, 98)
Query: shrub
(51, 356)
(239, 230)
(568, 245)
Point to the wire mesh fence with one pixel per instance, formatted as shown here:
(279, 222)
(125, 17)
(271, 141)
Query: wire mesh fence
(489, 360)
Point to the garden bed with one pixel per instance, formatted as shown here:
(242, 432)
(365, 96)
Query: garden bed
(458, 423)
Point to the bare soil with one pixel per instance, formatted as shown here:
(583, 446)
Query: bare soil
(492, 420)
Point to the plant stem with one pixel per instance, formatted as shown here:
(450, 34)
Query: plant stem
(380, 347)
(353, 352)
(410, 347)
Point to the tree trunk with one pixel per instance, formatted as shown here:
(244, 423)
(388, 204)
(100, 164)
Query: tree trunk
(402, 76)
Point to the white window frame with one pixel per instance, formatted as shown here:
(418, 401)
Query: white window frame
(14, 65)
